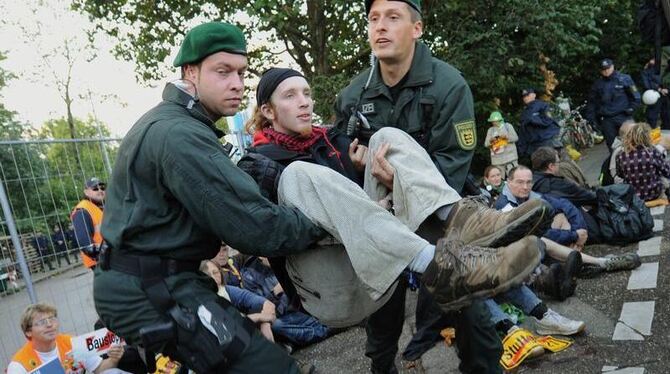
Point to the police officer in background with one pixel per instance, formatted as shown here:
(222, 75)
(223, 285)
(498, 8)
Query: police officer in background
(612, 100)
(651, 80)
(537, 127)
(409, 89)
(174, 197)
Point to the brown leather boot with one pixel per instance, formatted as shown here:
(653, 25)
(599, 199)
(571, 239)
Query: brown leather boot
(460, 273)
(472, 222)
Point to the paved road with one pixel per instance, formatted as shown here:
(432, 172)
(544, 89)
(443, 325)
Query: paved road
(627, 316)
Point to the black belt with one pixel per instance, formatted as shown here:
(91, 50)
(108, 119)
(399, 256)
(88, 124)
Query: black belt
(130, 264)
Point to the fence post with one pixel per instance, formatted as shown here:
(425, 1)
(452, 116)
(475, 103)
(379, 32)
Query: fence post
(11, 226)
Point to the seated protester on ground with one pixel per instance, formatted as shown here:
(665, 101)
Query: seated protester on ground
(290, 325)
(641, 164)
(518, 190)
(569, 169)
(617, 147)
(39, 323)
(547, 321)
(297, 327)
(493, 182)
(230, 265)
(547, 180)
(256, 308)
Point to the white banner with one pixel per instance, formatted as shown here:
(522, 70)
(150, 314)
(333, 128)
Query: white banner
(96, 343)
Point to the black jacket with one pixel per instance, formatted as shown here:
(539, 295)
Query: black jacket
(558, 186)
(265, 162)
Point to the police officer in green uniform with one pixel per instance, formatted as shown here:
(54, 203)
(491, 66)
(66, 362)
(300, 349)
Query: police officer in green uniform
(409, 89)
(174, 196)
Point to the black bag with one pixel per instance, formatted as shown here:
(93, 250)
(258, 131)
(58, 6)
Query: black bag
(606, 177)
(622, 216)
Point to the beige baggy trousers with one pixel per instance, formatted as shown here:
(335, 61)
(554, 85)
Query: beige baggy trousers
(351, 275)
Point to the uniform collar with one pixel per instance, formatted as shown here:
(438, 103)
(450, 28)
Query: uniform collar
(420, 72)
(175, 95)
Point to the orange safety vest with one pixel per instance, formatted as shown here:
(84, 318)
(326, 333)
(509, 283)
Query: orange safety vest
(96, 217)
(28, 358)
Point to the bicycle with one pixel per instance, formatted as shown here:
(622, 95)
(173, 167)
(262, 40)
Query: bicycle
(575, 130)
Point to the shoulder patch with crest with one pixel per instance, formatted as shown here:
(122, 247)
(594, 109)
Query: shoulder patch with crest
(466, 134)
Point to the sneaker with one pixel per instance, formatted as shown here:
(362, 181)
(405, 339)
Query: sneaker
(553, 323)
(460, 273)
(473, 222)
(628, 261)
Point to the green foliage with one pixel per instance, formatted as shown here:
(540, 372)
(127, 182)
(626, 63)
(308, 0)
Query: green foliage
(500, 46)
(322, 36)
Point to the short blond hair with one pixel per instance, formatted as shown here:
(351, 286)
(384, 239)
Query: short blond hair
(30, 312)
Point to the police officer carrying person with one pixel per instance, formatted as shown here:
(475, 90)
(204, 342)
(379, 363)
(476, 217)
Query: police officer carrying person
(537, 127)
(174, 197)
(612, 100)
(651, 80)
(409, 89)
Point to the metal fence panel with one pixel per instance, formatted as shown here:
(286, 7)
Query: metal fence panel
(43, 181)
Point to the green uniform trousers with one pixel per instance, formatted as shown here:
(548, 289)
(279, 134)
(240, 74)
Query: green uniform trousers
(124, 308)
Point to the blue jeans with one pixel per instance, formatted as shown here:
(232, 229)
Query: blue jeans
(299, 328)
(521, 297)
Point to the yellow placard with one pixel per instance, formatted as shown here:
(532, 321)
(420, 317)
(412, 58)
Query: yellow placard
(553, 344)
(517, 346)
(166, 366)
(655, 135)
(498, 144)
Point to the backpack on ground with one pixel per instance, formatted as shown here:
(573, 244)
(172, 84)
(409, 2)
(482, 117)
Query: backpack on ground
(622, 216)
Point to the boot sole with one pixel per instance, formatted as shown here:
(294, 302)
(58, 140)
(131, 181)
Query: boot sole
(570, 270)
(509, 235)
(466, 300)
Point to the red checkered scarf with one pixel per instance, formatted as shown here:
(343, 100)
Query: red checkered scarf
(291, 142)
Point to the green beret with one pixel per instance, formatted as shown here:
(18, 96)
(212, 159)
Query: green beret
(416, 4)
(208, 39)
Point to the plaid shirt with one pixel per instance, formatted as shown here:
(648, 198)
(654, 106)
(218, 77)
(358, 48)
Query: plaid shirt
(643, 169)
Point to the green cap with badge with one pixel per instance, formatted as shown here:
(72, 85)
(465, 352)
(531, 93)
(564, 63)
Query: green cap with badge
(210, 38)
(416, 4)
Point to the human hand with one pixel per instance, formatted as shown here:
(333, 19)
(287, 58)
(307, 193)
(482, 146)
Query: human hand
(381, 168)
(115, 352)
(266, 331)
(582, 237)
(277, 289)
(358, 155)
(268, 313)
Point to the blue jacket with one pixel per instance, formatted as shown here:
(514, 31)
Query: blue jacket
(650, 79)
(537, 128)
(612, 96)
(574, 216)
